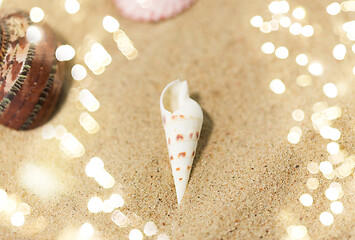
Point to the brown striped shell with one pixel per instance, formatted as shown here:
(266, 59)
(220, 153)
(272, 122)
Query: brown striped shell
(30, 77)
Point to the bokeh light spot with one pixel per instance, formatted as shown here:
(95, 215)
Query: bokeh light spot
(295, 29)
(307, 31)
(339, 52)
(316, 68)
(150, 229)
(326, 167)
(95, 204)
(277, 86)
(72, 6)
(285, 22)
(336, 207)
(298, 115)
(78, 72)
(304, 80)
(302, 59)
(332, 193)
(326, 218)
(36, 14)
(297, 232)
(256, 21)
(313, 167)
(65, 53)
(330, 90)
(312, 183)
(86, 230)
(299, 13)
(135, 234)
(17, 219)
(333, 8)
(333, 148)
(111, 24)
(281, 52)
(306, 200)
(268, 48)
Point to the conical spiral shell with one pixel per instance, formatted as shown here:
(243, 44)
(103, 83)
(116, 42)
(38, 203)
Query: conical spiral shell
(30, 76)
(182, 121)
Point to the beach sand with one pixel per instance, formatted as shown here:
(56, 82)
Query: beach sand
(247, 178)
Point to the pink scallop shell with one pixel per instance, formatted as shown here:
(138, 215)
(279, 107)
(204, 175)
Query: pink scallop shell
(154, 11)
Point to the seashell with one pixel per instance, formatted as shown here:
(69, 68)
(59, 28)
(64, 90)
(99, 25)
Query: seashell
(152, 10)
(30, 77)
(182, 121)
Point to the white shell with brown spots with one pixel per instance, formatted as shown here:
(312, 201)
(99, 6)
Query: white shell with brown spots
(182, 121)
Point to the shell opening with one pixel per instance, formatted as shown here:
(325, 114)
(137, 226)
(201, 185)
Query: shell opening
(173, 96)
